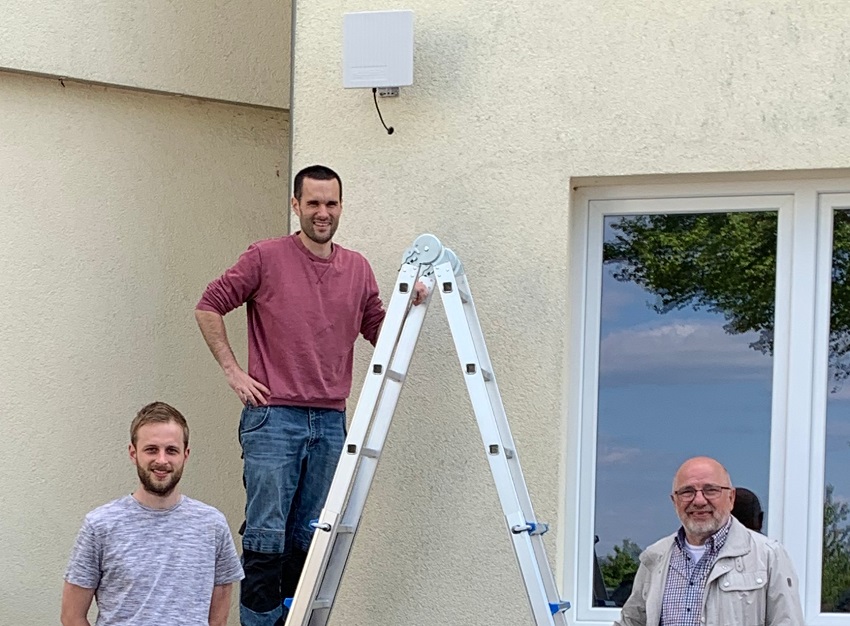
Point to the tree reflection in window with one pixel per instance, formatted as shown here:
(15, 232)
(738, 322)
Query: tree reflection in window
(721, 262)
(724, 263)
(712, 274)
(835, 577)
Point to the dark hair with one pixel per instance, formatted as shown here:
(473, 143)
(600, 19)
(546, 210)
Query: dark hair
(158, 413)
(315, 172)
(747, 509)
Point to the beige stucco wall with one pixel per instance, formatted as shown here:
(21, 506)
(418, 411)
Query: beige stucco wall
(117, 209)
(236, 51)
(511, 102)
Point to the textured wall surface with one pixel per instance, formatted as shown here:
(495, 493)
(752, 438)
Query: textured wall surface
(117, 209)
(221, 49)
(511, 101)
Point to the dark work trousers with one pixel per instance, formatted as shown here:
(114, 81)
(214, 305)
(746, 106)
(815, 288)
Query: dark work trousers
(290, 455)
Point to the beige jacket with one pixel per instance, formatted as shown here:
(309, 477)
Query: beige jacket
(752, 583)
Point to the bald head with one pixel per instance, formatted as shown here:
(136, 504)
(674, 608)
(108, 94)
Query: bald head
(703, 465)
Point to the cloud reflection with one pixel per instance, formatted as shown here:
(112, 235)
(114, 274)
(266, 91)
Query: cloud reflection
(680, 352)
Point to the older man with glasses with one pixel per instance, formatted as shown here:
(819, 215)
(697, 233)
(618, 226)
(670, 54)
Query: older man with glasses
(713, 571)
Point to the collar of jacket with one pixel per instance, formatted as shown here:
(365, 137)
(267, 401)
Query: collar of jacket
(657, 560)
(738, 543)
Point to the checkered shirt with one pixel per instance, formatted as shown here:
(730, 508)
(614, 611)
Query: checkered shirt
(683, 593)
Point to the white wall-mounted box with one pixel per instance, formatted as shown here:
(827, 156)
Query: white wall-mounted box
(377, 49)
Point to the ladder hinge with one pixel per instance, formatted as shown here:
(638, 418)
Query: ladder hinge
(532, 528)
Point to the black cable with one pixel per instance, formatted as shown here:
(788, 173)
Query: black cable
(390, 130)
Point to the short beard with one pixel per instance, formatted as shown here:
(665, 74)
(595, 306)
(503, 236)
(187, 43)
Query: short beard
(703, 529)
(307, 229)
(159, 489)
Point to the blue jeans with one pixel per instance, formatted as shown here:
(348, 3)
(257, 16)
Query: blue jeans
(290, 457)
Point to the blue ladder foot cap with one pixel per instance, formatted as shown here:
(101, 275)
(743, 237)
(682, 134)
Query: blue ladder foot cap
(538, 528)
(288, 603)
(557, 607)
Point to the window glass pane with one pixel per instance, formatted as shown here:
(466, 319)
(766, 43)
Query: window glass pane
(835, 582)
(685, 369)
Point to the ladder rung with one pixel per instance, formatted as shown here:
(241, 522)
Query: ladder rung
(509, 454)
(345, 529)
(370, 452)
(396, 376)
(464, 296)
(488, 376)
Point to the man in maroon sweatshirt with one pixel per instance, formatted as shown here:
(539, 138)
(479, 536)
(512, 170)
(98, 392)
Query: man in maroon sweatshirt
(308, 300)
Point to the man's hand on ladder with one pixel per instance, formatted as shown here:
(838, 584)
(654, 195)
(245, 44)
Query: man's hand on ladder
(420, 292)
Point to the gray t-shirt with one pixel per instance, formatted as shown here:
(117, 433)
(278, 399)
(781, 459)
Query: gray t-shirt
(152, 567)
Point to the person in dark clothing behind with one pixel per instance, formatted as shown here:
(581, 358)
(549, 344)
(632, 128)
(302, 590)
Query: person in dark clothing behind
(747, 509)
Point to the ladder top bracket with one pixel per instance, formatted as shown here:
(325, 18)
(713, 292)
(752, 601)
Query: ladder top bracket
(424, 251)
(428, 250)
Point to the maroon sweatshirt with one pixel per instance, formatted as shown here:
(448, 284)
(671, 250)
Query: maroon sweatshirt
(304, 315)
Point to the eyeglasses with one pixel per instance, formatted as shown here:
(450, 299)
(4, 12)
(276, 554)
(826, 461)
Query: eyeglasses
(709, 492)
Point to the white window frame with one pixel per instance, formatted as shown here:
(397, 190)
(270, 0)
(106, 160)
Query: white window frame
(827, 203)
(803, 283)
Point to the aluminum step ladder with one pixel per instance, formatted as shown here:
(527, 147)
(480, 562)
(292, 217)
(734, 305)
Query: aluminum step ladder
(427, 260)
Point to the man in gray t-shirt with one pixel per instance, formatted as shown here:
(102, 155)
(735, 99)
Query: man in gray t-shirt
(154, 557)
